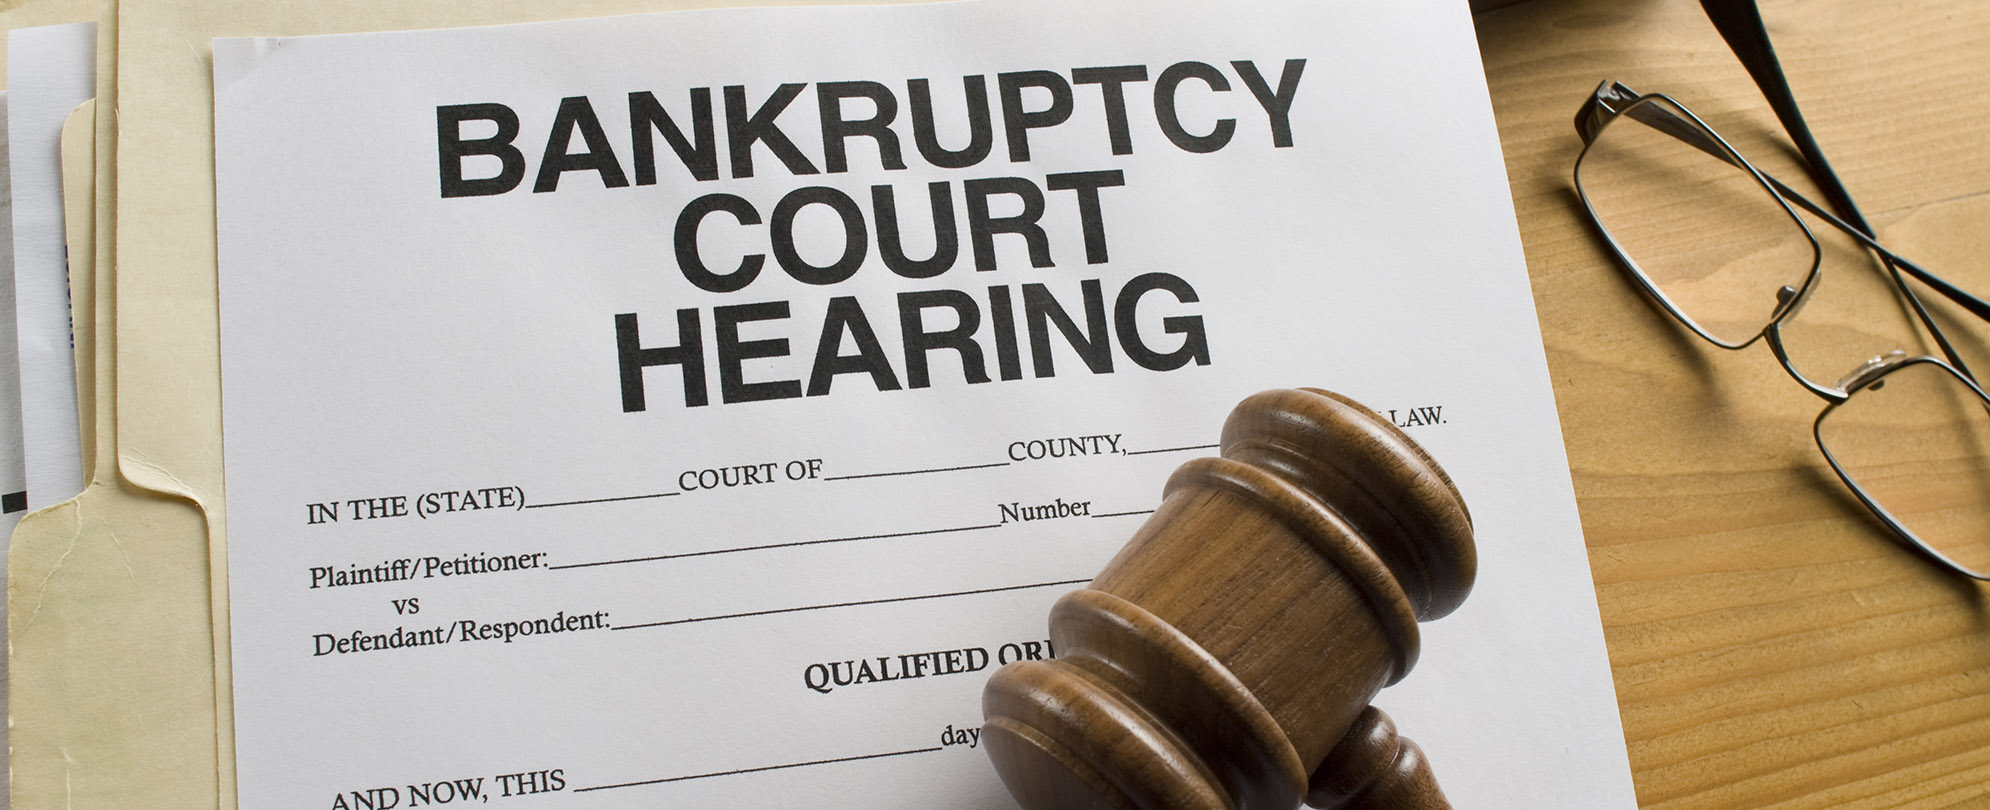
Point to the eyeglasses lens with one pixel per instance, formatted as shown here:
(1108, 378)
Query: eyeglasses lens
(1917, 443)
(1713, 241)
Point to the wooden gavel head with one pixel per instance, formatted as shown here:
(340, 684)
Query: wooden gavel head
(1225, 659)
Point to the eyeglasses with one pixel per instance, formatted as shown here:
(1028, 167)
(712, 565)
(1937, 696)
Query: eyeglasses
(1719, 245)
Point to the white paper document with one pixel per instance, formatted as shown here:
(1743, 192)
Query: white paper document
(13, 471)
(693, 410)
(50, 70)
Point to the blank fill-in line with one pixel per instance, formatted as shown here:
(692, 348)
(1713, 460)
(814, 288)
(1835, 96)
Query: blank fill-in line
(760, 769)
(1173, 449)
(602, 500)
(795, 544)
(914, 472)
(1124, 514)
(889, 600)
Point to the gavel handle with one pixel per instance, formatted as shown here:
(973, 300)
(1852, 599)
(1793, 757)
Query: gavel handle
(1374, 769)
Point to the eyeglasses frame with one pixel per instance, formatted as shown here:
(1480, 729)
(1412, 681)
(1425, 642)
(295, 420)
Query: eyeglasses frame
(1612, 101)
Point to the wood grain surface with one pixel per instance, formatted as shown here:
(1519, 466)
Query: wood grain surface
(1773, 646)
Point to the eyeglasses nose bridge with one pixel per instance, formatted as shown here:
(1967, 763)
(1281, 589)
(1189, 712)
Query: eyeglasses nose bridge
(1871, 369)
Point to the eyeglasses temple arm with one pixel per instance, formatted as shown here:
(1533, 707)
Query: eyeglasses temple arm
(1740, 23)
(1961, 297)
(1612, 98)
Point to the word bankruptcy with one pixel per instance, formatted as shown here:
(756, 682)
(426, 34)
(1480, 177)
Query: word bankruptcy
(820, 235)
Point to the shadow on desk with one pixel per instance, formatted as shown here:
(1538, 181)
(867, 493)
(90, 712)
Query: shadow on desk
(1773, 645)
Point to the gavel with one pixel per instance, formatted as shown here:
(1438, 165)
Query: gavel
(1226, 657)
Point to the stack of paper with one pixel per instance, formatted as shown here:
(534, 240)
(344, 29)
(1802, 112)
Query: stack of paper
(693, 408)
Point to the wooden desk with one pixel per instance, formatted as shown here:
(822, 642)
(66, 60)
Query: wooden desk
(1773, 647)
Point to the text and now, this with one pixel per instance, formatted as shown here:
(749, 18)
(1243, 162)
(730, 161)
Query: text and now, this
(822, 677)
(451, 791)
